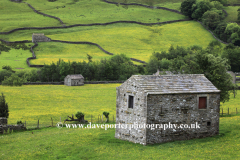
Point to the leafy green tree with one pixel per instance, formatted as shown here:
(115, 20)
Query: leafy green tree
(89, 57)
(13, 80)
(233, 56)
(233, 30)
(211, 19)
(223, 2)
(186, 7)
(200, 8)
(64, 70)
(4, 112)
(238, 14)
(4, 73)
(214, 68)
(220, 31)
(9, 68)
(217, 5)
(215, 48)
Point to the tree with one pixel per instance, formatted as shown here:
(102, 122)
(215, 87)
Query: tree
(233, 56)
(211, 19)
(64, 69)
(13, 80)
(220, 29)
(3, 107)
(223, 2)
(8, 68)
(233, 30)
(186, 7)
(200, 8)
(106, 114)
(238, 14)
(89, 58)
(217, 5)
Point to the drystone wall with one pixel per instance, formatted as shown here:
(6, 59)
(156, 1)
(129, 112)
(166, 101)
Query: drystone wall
(95, 24)
(182, 109)
(142, 5)
(4, 127)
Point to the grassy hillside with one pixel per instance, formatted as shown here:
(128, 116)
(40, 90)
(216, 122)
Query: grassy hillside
(54, 143)
(136, 41)
(16, 58)
(17, 15)
(232, 13)
(30, 103)
(96, 11)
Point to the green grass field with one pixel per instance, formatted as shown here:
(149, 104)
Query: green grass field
(17, 15)
(136, 41)
(42, 102)
(96, 11)
(16, 58)
(54, 143)
(30, 103)
(232, 13)
(33, 102)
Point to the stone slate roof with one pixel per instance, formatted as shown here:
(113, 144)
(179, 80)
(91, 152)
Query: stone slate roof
(178, 83)
(75, 76)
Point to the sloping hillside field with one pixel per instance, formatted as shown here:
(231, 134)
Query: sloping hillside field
(30, 103)
(137, 41)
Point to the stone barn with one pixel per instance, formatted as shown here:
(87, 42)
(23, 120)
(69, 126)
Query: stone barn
(147, 103)
(74, 80)
(40, 37)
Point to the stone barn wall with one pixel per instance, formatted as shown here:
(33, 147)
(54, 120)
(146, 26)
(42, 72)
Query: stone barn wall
(182, 109)
(125, 115)
(77, 82)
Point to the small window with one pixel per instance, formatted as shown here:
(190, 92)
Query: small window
(202, 103)
(208, 123)
(130, 101)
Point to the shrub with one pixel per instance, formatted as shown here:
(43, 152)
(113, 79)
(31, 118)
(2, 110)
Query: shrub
(106, 114)
(186, 7)
(13, 80)
(4, 73)
(79, 115)
(3, 107)
(211, 19)
(19, 122)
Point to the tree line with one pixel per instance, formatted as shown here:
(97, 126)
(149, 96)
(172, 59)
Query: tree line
(213, 61)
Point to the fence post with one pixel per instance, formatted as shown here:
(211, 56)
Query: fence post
(228, 111)
(38, 124)
(99, 118)
(234, 92)
(52, 121)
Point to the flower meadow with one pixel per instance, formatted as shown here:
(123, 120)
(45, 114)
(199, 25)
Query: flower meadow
(43, 102)
(29, 103)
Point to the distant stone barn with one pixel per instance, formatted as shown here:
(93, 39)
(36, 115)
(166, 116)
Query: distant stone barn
(183, 99)
(40, 37)
(74, 80)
